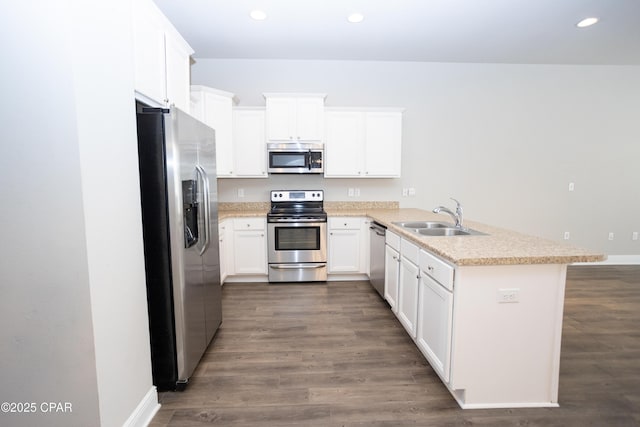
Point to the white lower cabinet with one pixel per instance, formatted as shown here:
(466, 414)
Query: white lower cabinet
(225, 236)
(347, 245)
(392, 270)
(435, 313)
(249, 246)
(408, 287)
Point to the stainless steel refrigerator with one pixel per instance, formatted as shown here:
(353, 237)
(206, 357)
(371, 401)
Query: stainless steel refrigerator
(180, 229)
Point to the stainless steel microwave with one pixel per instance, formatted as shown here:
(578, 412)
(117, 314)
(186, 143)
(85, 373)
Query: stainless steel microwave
(295, 157)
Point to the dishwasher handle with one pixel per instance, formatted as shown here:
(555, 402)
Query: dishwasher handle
(379, 229)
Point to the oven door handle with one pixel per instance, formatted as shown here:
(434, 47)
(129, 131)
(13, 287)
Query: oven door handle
(296, 267)
(297, 220)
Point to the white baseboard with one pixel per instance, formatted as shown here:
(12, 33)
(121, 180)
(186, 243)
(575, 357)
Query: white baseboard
(146, 409)
(615, 260)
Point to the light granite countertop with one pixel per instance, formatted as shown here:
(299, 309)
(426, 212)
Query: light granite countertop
(497, 247)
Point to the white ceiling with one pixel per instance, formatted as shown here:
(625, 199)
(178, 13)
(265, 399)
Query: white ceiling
(492, 31)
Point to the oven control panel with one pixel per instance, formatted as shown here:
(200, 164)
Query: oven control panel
(297, 195)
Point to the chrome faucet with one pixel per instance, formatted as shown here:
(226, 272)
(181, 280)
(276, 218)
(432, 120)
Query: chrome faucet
(457, 215)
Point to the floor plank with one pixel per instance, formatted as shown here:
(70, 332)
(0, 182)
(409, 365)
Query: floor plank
(335, 355)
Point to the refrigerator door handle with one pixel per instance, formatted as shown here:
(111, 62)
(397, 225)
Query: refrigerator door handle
(205, 201)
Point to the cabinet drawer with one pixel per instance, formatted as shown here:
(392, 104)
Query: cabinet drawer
(437, 268)
(393, 240)
(409, 251)
(344, 223)
(249, 223)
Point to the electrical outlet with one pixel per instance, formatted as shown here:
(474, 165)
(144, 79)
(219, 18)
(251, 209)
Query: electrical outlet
(572, 186)
(508, 295)
(611, 236)
(351, 192)
(566, 235)
(634, 235)
(405, 192)
(240, 192)
(357, 192)
(412, 191)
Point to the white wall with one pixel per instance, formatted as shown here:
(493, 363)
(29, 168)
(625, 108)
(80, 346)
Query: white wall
(105, 105)
(506, 140)
(73, 305)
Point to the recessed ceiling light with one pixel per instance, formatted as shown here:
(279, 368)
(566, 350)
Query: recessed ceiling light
(354, 18)
(258, 15)
(587, 22)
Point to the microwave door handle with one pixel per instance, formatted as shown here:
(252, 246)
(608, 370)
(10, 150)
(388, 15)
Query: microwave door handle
(309, 159)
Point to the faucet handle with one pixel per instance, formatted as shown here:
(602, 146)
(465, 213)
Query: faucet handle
(458, 212)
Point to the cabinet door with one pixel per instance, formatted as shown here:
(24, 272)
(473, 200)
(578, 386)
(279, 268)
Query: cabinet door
(344, 251)
(280, 118)
(177, 69)
(148, 38)
(408, 296)
(249, 147)
(222, 251)
(435, 311)
(309, 119)
(383, 135)
(344, 144)
(250, 252)
(391, 273)
(216, 111)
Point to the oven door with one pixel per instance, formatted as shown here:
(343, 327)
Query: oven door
(297, 242)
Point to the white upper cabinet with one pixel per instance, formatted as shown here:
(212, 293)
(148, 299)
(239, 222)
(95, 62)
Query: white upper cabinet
(383, 144)
(363, 144)
(294, 117)
(249, 152)
(215, 108)
(344, 144)
(161, 58)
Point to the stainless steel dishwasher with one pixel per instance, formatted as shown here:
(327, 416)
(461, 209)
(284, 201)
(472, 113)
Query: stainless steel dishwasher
(377, 245)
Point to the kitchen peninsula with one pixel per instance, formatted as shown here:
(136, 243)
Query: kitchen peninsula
(485, 310)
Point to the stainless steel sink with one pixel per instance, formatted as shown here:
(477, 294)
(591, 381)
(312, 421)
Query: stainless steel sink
(448, 231)
(423, 224)
(435, 228)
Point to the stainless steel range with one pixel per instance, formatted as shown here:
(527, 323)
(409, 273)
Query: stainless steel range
(297, 236)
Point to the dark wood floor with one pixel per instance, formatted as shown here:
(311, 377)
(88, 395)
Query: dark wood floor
(335, 355)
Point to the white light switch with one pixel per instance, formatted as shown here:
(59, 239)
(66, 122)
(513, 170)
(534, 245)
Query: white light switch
(240, 192)
(572, 186)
